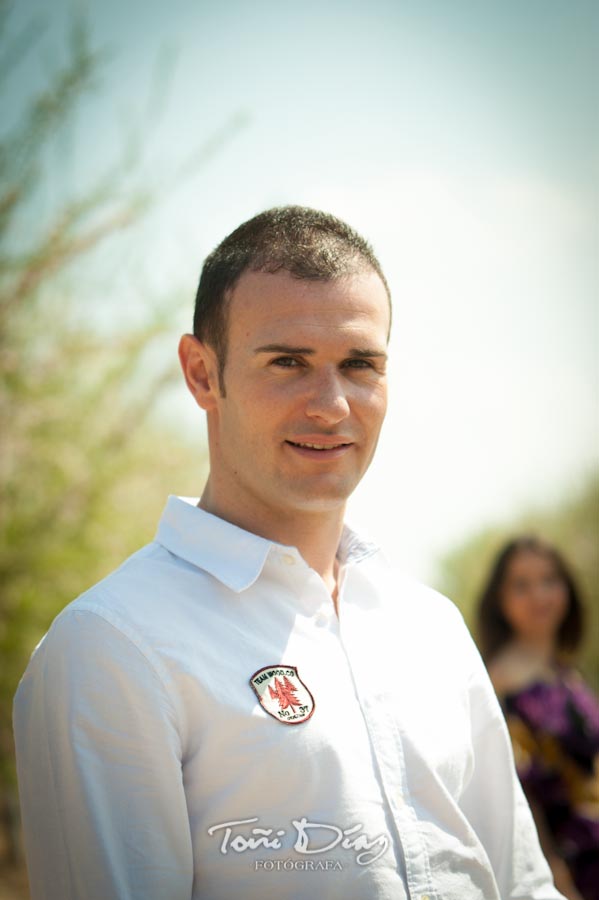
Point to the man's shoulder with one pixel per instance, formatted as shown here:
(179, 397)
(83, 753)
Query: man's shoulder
(147, 566)
(129, 611)
(401, 590)
(115, 625)
(139, 595)
(416, 622)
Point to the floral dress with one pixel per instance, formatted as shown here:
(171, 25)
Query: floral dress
(554, 728)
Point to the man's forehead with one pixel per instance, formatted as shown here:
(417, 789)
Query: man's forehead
(279, 300)
(299, 334)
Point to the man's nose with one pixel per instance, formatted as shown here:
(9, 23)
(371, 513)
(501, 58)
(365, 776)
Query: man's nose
(327, 398)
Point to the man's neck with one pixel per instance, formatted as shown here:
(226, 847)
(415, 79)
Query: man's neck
(316, 535)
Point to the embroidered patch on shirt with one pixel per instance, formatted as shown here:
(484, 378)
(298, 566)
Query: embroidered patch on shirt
(283, 694)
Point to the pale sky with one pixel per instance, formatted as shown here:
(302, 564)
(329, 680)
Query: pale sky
(462, 139)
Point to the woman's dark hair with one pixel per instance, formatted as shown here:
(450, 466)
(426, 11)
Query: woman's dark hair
(494, 631)
(305, 242)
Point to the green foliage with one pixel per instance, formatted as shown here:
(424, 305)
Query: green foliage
(573, 526)
(83, 471)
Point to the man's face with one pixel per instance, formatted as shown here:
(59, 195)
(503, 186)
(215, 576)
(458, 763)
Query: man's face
(306, 393)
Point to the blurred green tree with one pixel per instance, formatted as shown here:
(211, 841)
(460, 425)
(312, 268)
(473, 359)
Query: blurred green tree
(84, 470)
(572, 525)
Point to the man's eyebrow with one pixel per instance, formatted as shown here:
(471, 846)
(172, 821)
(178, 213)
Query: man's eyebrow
(367, 351)
(284, 348)
(358, 352)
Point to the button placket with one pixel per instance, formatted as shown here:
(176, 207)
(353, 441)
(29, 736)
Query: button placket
(388, 749)
(325, 616)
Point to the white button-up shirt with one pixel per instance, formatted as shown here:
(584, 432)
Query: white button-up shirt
(149, 768)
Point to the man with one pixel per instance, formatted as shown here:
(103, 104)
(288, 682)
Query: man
(256, 704)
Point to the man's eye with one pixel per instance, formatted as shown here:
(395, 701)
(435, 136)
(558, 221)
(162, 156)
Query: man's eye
(287, 362)
(358, 364)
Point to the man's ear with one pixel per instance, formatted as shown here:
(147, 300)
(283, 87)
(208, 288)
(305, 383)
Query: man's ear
(200, 370)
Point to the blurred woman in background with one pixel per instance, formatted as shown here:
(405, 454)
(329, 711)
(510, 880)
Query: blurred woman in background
(530, 625)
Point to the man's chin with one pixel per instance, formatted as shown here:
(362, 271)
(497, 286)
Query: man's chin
(310, 498)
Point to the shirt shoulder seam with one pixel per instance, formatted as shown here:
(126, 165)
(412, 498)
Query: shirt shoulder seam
(134, 639)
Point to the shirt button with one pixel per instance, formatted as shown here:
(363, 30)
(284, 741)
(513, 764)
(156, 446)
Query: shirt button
(288, 559)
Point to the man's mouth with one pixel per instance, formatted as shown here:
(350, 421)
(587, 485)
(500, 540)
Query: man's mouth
(309, 445)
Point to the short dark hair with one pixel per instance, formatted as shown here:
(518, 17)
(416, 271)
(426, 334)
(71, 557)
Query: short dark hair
(307, 243)
(493, 630)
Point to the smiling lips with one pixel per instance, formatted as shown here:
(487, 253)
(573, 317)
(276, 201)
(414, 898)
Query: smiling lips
(335, 447)
(316, 446)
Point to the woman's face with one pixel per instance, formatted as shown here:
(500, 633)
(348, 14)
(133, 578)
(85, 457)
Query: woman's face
(534, 596)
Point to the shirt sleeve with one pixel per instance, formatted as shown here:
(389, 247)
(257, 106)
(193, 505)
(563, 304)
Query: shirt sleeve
(495, 804)
(99, 769)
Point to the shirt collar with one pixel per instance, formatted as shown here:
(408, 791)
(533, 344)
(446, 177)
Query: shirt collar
(232, 555)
